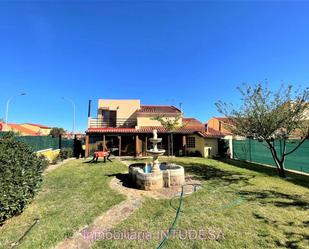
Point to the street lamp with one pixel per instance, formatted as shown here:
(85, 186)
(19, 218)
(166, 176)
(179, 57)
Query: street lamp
(7, 108)
(73, 105)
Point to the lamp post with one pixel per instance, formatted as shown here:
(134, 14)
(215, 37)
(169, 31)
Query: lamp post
(73, 105)
(7, 109)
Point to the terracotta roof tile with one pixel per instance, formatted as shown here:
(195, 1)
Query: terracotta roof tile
(111, 130)
(213, 133)
(192, 122)
(159, 109)
(224, 120)
(21, 129)
(38, 125)
(146, 129)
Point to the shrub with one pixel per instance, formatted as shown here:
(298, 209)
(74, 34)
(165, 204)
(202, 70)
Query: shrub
(44, 159)
(20, 173)
(65, 153)
(195, 153)
(56, 160)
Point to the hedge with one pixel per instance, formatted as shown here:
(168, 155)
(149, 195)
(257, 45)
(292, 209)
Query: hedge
(20, 176)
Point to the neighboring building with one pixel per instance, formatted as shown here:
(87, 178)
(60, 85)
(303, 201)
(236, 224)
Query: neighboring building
(77, 134)
(27, 129)
(38, 128)
(219, 124)
(126, 126)
(17, 128)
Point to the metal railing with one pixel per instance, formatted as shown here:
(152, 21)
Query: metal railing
(112, 123)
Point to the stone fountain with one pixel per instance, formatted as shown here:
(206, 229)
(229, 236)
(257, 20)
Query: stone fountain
(155, 152)
(157, 175)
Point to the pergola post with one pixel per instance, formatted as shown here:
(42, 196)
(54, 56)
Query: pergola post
(87, 146)
(168, 144)
(146, 145)
(104, 144)
(184, 144)
(119, 137)
(137, 146)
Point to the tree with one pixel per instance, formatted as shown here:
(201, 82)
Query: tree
(170, 124)
(56, 132)
(269, 115)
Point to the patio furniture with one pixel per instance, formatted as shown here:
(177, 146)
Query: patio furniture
(103, 154)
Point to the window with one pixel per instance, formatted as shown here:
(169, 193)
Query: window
(190, 142)
(109, 118)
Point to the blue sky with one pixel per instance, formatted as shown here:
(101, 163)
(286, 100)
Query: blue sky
(166, 52)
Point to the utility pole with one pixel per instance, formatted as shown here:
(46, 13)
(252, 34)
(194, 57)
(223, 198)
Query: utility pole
(7, 109)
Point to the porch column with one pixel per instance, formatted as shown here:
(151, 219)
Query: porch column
(104, 144)
(168, 144)
(146, 145)
(119, 137)
(137, 146)
(87, 146)
(184, 144)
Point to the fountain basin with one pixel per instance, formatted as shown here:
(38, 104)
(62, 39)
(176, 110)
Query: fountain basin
(170, 175)
(155, 140)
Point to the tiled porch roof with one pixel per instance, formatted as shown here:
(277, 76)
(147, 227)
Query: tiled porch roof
(111, 130)
(145, 129)
(211, 133)
(161, 129)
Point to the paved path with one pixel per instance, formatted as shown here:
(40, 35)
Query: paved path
(114, 216)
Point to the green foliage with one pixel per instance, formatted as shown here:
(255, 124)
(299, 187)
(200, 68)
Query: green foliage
(21, 174)
(168, 123)
(65, 153)
(268, 115)
(74, 185)
(44, 159)
(56, 132)
(8, 135)
(56, 160)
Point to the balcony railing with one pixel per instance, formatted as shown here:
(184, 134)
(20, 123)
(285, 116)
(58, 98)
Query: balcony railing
(112, 123)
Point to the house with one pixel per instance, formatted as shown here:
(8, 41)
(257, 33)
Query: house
(220, 124)
(17, 128)
(38, 128)
(126, 126)
(27, 129)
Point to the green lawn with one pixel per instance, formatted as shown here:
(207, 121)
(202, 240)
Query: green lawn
(252, 209)
(71, 197)
(244, 208)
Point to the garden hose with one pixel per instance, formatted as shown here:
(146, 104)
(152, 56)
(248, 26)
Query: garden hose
(178, 209)
(172, 227)
(25, 233)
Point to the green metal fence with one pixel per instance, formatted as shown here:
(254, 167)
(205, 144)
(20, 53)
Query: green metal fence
(44, 142)
(255, 151)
